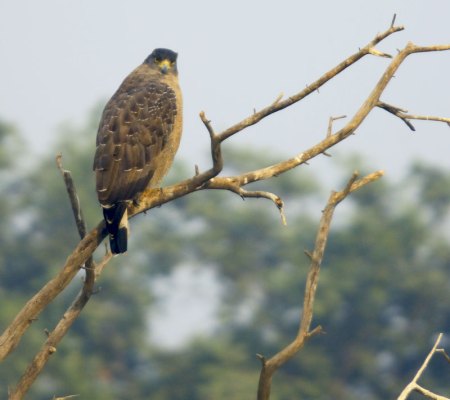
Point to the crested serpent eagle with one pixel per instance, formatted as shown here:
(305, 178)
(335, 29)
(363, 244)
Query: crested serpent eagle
(138, 135)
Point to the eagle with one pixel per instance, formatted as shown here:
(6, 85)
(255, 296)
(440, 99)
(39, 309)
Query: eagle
(138, 136)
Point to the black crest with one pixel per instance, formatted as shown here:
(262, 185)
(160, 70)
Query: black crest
(162, 54)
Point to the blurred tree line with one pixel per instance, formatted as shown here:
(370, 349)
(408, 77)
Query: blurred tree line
(384, 292)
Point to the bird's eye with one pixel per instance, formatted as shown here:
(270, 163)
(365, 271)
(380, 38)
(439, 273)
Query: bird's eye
(157, 60)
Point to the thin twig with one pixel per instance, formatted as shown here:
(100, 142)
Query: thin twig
(393, 20)
(216, 152)
(398, 112)
(444, 354)
(73, 197)
(267, 195)
(405, 117)
(379, 53)
(207, 124)
(414, 386)
(429, 393)
(330, 124)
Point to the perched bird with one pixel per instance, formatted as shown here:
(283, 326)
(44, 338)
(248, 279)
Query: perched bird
(138, 136)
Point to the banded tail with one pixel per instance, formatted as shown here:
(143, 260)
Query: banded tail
(116, 218)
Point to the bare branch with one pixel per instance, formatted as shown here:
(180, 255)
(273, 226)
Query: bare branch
(304, 333)
(11, 336)
(155, 197)
(405, 117)
(330, 124)
(152, 198)
(426, 49)
(73, 197)
(446, 356)
(279, 105)
(393, 20)
(207, 124)
(74, 202)
(429, 394)
(379, 53)
(267, 195)
(331, 140)
(54, 337)
(414, 386)
(72, 313)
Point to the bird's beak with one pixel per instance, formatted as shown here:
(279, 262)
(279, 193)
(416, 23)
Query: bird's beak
(164, 66)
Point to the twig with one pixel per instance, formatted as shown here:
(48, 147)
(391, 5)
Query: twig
(445, 355)
(393, 20)
(267, 195)
(216, 151)
(207, 124)
(398, 112)
(414, 386)
(330, 124)
(304, 333)
(73, 197)
(405, 117)
(234, 186)
(379, 53)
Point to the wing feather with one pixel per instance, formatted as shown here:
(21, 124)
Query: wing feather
(134, 132)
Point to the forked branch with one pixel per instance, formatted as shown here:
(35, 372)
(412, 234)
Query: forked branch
(413, 386)
(74, 310)
(405, 117)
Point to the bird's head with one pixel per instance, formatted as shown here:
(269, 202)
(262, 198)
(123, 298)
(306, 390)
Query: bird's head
(164, 60)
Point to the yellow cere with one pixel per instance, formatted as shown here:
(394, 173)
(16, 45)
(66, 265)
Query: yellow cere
(165, 64)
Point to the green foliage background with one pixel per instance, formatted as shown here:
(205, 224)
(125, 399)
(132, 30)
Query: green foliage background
(383, 295)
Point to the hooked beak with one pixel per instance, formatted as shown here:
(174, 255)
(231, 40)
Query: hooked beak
(164, 66)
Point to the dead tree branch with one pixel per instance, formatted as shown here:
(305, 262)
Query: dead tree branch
(445, 355)
(330, 124)
(208, 179)
(74, 310)
(413, 386)
(405, 117)
(304, 333)
(156, 197)
(73, 198)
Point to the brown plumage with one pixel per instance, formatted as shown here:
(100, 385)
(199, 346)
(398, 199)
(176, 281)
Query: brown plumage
(138, 136)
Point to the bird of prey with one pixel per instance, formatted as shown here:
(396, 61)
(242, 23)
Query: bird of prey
(138, 135)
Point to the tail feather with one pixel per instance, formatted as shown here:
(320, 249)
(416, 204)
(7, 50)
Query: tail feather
(116, 218)
(119, 241)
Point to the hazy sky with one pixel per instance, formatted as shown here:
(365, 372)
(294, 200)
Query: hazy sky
(59, 58)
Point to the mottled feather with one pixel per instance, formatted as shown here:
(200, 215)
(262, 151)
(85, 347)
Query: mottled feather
(138, 136)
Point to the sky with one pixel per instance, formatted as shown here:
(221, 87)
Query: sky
(60, 58)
